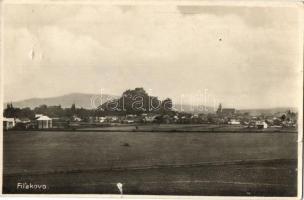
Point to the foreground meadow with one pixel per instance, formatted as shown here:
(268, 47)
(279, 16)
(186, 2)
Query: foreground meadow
(152, 162)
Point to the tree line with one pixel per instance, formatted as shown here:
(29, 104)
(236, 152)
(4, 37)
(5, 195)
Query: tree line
(135, 101)
(52, 111)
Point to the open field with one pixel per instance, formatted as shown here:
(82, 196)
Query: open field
(152, 163)
(185, 128)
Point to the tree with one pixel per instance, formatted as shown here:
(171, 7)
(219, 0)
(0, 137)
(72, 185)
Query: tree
(42, 109)
(219, 109)
(10, 111)
(26, 113)
(84, 114)
(136, 102)
(166, 106)
(73, 109)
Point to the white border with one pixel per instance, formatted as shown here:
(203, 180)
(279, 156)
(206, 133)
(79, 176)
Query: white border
(257, 3)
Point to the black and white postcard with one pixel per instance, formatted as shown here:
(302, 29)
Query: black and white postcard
(174, 99)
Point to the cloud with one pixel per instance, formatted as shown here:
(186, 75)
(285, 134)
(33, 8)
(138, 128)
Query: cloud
(157, 47)
(258, 17)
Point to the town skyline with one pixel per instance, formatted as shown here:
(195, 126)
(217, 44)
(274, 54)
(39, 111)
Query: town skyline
(78, 99)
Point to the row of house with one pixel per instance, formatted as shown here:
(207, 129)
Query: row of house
(40, 122)
(225, 116)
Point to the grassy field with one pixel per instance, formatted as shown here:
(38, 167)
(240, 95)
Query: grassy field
(153, 163)
(186, 128)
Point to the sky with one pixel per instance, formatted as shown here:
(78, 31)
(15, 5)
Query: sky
(243, 57)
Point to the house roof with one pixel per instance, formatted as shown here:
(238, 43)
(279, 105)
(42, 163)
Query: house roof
(8, 119)
(42, 118)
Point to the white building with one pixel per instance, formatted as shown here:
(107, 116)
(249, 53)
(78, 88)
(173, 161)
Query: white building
(8, 123)
(234, 122)
(260, 124)
(44, 122)
(150, 118)
(102, 119)
(76, 118)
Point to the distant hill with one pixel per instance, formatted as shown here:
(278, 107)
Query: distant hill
(194, 108)
(80, 100)
(268, 111)
(84, 100)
